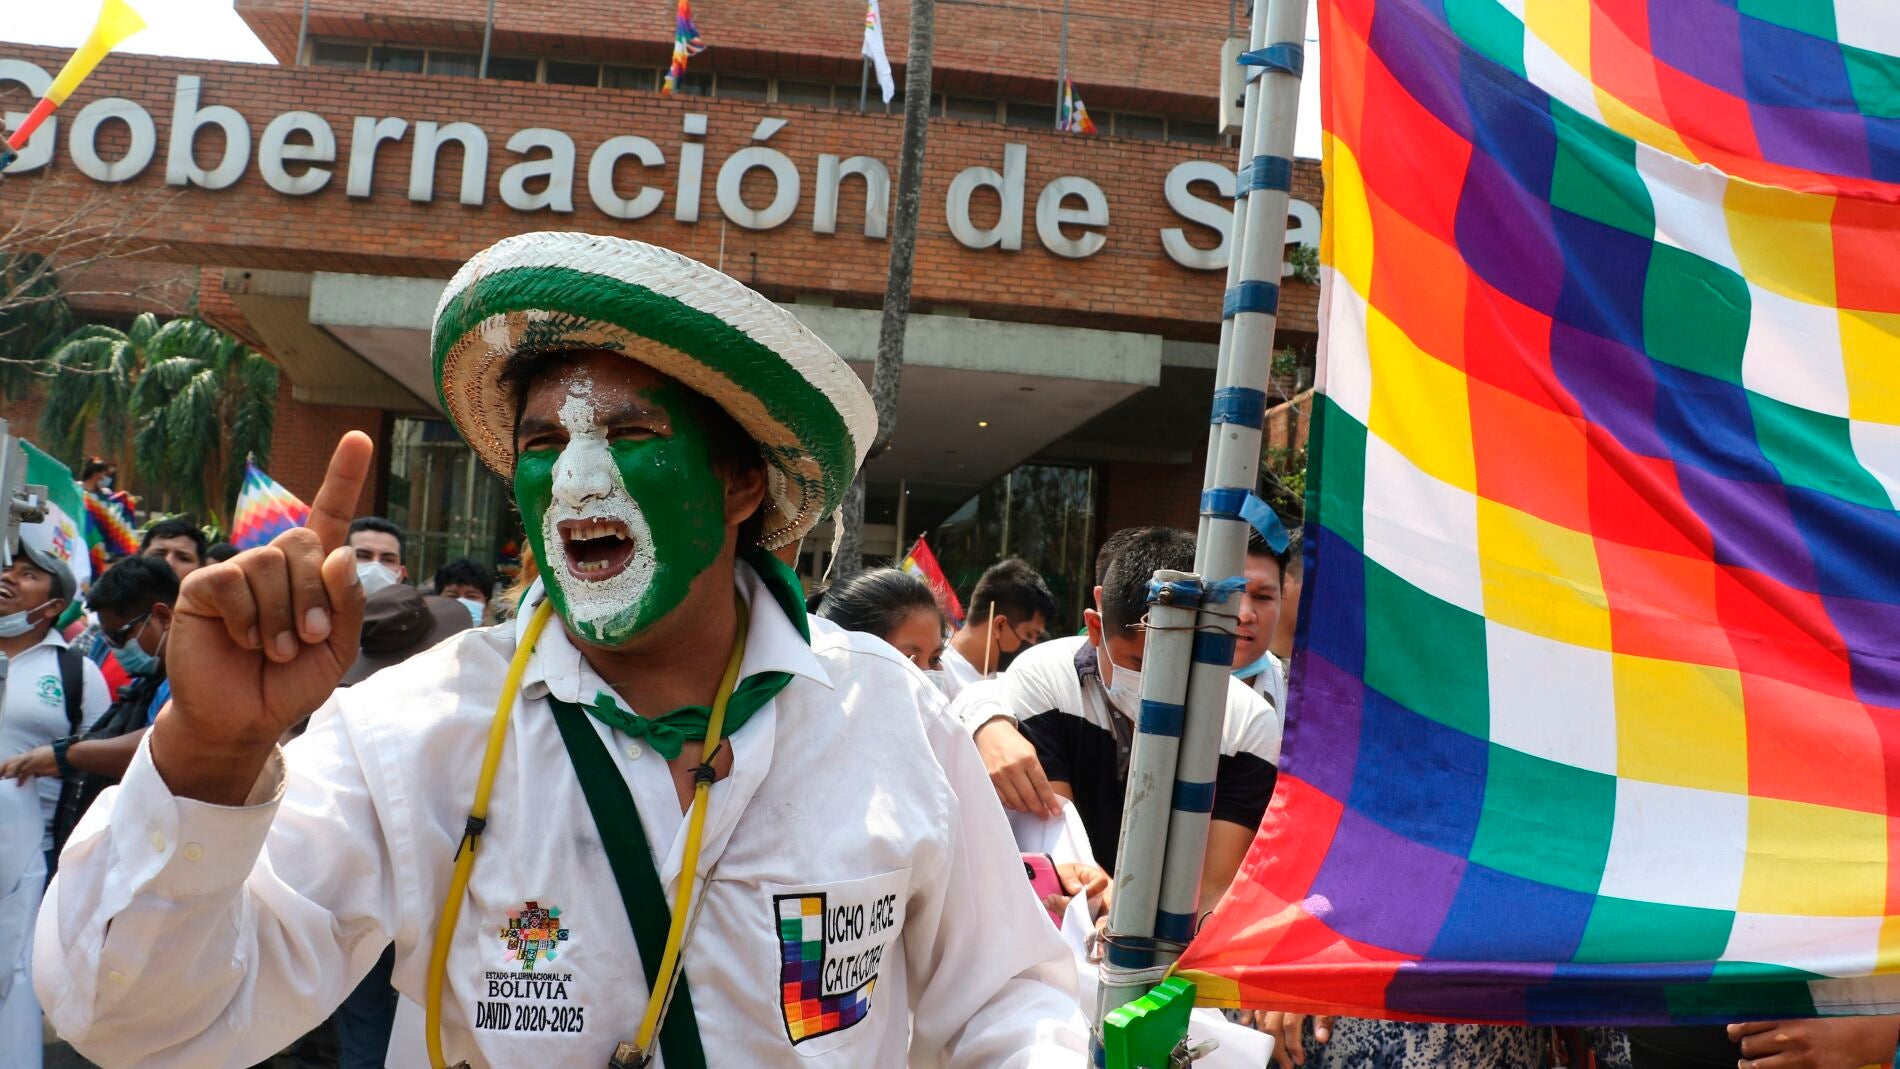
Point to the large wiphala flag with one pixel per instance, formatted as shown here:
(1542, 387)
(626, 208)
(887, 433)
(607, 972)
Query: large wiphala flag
(1596, 716)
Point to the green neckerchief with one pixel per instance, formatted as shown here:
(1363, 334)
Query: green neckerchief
(671, 731)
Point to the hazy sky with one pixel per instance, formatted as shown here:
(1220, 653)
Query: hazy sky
(210, 29)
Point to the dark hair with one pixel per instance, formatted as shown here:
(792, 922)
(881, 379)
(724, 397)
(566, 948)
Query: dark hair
(1014, 589)
(1257, 547)
(134, 584)
(1145, 551)
(380, 526)
(93, 466)
(466, 570)
(221, 552)
(731, 448)
(175, 527)
(876, 601)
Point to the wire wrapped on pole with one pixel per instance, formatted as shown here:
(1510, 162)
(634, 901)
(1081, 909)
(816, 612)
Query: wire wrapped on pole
(1155, 905)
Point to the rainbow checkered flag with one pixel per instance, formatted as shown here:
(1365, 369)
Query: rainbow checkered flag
(1074, 118)
(1596, 702)
(264, 510)
(686, 44)
(109, 531)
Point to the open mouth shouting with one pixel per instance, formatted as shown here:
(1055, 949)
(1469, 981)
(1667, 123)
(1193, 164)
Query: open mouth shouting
(596, 547)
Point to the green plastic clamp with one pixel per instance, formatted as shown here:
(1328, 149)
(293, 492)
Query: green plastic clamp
(1145, 1033)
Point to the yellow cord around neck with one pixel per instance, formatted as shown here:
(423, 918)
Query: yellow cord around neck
(478, 815)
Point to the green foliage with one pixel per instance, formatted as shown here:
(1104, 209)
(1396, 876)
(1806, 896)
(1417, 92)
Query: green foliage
(34, 316)
(183, 402)
(1283, 471)
(204, 404)
(1304, 260)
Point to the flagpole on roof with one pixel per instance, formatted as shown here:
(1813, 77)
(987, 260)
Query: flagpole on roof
(1187, 665)
(1062, 67)
(488, 35)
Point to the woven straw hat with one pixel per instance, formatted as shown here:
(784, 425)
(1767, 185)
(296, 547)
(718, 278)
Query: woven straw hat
(553, 292)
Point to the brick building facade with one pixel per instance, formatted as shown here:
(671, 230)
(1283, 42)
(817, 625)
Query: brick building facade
(1064, 309)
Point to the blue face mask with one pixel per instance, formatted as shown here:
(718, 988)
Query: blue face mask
(1259, 665)
(476, 607)
(134, 659)
(15, 624)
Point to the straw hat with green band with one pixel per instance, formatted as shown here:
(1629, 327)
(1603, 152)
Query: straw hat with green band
(552, 292)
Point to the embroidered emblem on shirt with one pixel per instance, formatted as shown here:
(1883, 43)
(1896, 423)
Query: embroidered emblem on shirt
(825, 993)
(533, 933)
(51, 692)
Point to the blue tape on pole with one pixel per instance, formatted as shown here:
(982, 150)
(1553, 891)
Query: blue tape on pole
(1184, 593)
(1100, 1054)
(1162, 718)
(1261, 297)
(1242, 406)
(1286, 57)
(1174, 927)
(1213, 648)
(1123, 956)
(1273, 174)
(1193, 797)
(1266, 521)
(1223, 502)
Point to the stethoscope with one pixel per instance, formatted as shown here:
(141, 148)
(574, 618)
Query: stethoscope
(626, 1055)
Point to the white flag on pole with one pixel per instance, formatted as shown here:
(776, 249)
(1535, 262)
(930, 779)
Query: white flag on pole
(874, 49)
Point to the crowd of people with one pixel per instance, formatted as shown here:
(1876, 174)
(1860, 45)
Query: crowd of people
(297, 731)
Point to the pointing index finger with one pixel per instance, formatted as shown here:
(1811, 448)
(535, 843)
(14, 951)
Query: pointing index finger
(335, 503)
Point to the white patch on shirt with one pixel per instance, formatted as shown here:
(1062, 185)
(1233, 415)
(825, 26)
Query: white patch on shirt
(587, 485)
(832, 942)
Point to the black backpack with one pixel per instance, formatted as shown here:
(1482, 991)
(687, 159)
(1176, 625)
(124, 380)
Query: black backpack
(76, 793)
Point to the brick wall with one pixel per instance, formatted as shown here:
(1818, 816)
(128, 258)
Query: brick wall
(1137, 54)
(1130, 284)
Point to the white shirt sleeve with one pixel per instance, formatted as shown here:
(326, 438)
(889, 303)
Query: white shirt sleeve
(979, 703)
(993, 985)
(179, 933)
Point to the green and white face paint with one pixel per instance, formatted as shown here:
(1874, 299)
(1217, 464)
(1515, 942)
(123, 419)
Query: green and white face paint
(628, 511)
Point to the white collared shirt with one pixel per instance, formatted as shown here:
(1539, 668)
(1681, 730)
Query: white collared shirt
(185, 934)
(958, 672)
(33, 714)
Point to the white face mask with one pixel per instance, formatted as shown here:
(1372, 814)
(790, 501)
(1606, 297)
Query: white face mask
(1124, 689)
(476, 607)
(938, 678)
(374, 576)
(15, 624)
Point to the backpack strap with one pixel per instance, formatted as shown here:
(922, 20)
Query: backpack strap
(72, 685)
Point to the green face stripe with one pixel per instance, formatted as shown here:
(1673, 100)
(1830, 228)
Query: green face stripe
(682, 498)
(580, 296)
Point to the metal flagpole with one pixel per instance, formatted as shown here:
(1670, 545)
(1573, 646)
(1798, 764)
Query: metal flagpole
(1191, 620)
(303, 30)
(864, 83)
(488, 34)
(1062, 63)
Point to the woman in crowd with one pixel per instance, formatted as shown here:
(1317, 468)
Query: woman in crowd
(895, 606)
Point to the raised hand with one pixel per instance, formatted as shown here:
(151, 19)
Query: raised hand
(259, 642)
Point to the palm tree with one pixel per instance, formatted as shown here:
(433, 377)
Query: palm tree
(34, 315)
(92, 374)
(204, 404)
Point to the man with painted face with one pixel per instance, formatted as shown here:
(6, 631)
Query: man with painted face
(830, 883)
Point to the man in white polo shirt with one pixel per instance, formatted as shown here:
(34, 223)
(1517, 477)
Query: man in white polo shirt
(51, 692)
(856, 899)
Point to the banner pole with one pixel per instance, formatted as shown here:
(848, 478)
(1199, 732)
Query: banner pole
(1191, 618)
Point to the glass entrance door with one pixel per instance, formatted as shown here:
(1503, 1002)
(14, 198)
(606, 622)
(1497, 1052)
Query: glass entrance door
(447, 503)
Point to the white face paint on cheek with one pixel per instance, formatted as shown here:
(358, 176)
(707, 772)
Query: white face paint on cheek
(587, 486)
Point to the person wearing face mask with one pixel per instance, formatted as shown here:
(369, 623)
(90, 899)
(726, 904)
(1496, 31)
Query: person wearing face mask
(1255, 664)
(378, 545)
(1010, 609)
(133, 600)
(1067, 711)
(469, 583)
(47, 688)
